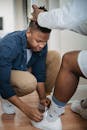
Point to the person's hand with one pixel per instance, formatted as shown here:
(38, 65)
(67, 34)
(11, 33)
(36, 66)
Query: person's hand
(34, 114)
(35, 12)
(44, 103)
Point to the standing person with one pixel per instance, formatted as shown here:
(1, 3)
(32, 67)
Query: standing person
(20, 51)
(71, 16)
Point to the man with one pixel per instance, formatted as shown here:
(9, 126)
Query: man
(72, 16)
(20, 51)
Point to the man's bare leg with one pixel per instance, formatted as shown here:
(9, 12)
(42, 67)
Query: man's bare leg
(66, 82)
(68, 77)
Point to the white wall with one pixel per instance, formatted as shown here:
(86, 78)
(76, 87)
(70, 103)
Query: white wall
(13, 15)
(54, 41)
(7, 12)
(18, 15)
(71, 40)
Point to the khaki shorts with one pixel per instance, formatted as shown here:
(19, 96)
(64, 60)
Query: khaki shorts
(25, 82)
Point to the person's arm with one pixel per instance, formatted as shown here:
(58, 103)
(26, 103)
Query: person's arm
(32, 113)
(44, 101)
(39, 71)
(41, 90)
(67, 17)
(6, 56)
(7, 91)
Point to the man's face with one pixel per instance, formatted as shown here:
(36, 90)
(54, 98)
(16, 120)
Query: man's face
(37, 40)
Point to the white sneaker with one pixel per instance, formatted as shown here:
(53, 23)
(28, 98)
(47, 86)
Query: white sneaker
(55, 110)
(7, 107)
(46, 124)
(76, 107)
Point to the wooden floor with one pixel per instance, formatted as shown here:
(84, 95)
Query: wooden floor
(70, 120)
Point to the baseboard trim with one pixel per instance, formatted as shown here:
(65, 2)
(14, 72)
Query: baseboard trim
(80, 93)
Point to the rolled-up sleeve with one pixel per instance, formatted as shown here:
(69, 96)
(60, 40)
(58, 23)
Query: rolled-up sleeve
(6, 55)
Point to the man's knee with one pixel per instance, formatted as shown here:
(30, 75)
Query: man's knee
(23, 82)
(66, 60)
(30, 84)
(26, 87)
(69, 61)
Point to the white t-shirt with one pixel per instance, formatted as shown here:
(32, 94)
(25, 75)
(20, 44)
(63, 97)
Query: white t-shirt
(72, 16)
(29, 54)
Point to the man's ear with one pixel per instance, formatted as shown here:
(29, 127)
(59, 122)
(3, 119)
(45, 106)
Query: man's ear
(28, 33)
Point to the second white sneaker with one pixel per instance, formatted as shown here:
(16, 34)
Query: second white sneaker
(76, 107)
(7, 107)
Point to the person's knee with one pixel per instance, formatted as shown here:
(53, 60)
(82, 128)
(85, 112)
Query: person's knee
(70, 63)
(66, 61)
(27, 88)
(25, 84)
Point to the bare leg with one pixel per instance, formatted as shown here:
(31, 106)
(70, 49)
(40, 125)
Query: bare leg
(68, 77)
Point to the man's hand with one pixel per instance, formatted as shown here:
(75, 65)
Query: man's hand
(46, 102)
(32, 113)
(35, 12)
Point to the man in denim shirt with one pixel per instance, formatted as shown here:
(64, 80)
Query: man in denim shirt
(15, 60)
(13, 57)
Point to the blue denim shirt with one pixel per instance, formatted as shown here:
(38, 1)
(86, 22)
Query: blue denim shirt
(13, 55)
